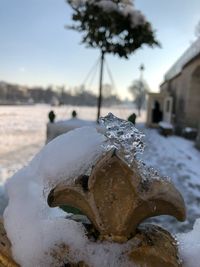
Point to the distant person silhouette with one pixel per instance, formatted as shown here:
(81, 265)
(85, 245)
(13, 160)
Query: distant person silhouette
(74, 114)
(51, 116)
(132, 118)
(156, 113)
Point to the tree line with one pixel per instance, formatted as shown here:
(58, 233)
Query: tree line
(12, 94)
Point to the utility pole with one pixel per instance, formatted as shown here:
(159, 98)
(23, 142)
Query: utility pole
(141, 68)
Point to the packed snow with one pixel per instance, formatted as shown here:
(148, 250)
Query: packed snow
(165, 125)
(123, 136)
(64, 126)
(189, 246)
(178, 159)
(66, 157)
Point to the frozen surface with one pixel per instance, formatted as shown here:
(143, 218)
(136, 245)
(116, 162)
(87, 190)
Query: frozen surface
(129, 142)
(123, 136)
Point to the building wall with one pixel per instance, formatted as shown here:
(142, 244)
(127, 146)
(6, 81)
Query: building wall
(185, 89)
(193, 96)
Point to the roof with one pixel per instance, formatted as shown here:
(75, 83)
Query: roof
(189, 54)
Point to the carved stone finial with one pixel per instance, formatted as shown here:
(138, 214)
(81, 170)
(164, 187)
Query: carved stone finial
(156, 248)
(117, 199)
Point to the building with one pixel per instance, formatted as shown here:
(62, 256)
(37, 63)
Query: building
(179, 97)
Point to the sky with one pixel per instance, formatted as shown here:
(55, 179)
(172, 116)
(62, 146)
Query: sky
(37, 49)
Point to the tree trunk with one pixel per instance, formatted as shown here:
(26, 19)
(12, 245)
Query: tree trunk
(100, 86)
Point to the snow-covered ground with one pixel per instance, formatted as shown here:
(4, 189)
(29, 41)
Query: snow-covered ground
(23, 133)
(178, 159)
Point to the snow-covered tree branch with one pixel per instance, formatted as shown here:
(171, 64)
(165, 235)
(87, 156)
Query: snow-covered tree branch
(114, 26)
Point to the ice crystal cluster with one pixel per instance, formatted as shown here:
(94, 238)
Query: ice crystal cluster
(128, 141)
(123, 136)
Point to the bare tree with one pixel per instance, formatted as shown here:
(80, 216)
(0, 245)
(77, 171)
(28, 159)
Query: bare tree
(138, 90)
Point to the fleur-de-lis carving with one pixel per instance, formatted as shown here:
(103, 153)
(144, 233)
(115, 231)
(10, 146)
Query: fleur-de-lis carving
(117, 199)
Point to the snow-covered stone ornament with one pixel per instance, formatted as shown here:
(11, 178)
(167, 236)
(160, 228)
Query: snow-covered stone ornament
(113, 189)
(114, 198)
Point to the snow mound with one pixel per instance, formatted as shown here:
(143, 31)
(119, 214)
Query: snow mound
(165, 125)
(33, 228)
(189, 246)
(61, 127)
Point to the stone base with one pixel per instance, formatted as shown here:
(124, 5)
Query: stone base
(152, 246)
(156, 248)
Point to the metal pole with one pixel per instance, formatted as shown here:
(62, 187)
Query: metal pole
(142, 68)
(100, 86)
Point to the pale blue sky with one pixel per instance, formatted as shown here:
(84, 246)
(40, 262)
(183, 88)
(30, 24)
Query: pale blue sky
(36, 49)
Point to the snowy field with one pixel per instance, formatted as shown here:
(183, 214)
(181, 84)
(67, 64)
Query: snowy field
(23, 133)
(178, 159)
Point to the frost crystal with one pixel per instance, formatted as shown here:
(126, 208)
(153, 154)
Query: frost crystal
(123, 136)
(149, 173)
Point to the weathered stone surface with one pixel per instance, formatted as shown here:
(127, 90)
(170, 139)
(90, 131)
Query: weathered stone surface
(117, 199)
(184, 88)
(5, 249)
(156, 248)
(60, 254)
(79, 264)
